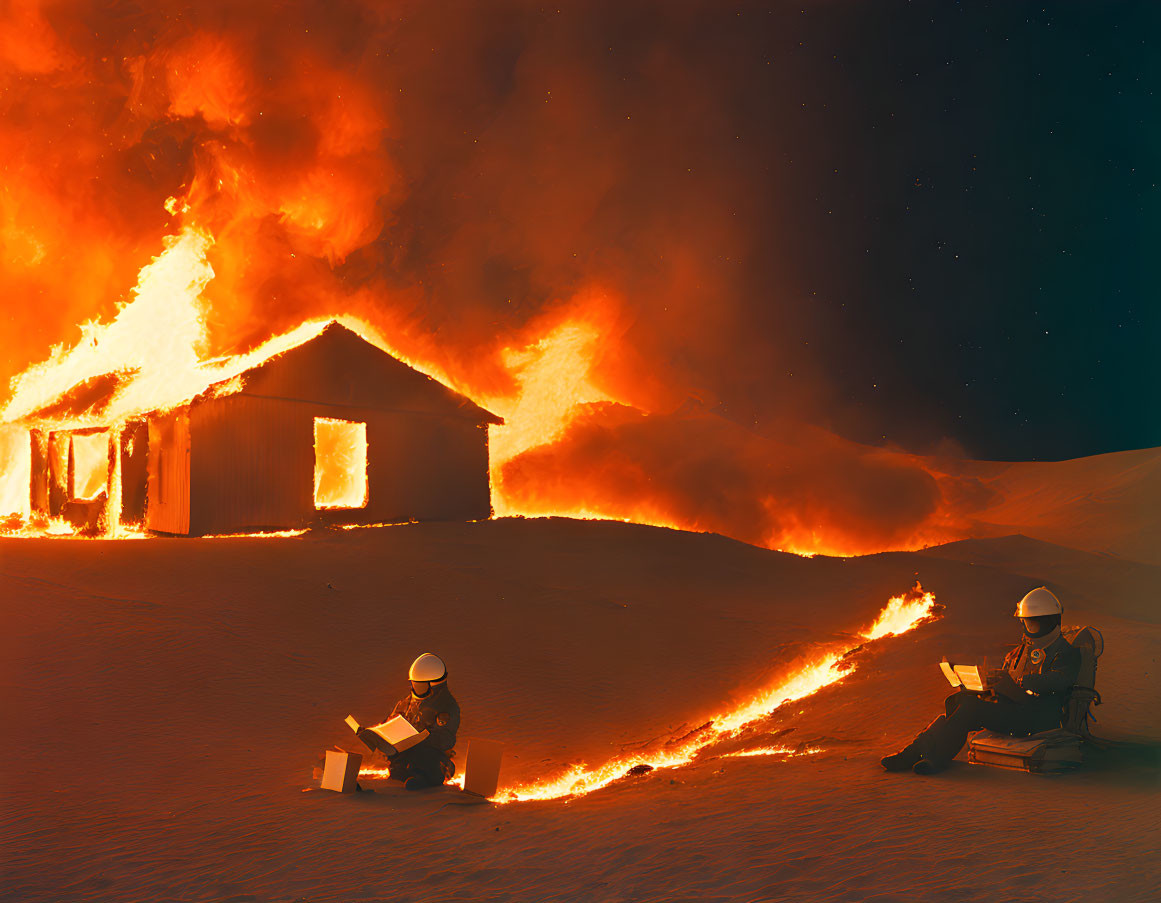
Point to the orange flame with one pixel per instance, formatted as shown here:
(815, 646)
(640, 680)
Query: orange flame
(340, 472)
(902, 613)
(554, 378)
(287, 170)
(786, 751)
(157, 336)
(90, 465)
(154, 351)
(154, 355)
(579, 780)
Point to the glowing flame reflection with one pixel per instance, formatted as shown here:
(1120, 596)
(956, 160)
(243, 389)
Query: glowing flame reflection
(901, 614)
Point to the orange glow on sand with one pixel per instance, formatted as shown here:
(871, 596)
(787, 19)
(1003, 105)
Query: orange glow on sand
(340, 463)
(579, 780)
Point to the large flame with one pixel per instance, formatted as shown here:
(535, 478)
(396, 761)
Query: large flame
(569, 446)
(570, 266)
(554, 378)
(156, 337)
(903, 613)
(153, 355)
(146, 359)
(340, 468)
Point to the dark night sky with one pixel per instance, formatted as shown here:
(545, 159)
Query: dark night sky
(992, 207)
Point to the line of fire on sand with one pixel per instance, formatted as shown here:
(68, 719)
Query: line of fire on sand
(901, 614)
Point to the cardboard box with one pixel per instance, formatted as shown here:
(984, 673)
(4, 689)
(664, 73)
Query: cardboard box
(341, 772)
(482, 767)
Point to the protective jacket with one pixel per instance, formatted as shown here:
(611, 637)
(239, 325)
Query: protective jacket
(1047, 666)
(438, 713)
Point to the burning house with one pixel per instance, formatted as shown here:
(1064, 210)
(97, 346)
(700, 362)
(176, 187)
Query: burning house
(320, 427)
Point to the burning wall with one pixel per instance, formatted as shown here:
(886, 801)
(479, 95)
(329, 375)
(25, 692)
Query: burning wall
(263, 449)
(569, 232)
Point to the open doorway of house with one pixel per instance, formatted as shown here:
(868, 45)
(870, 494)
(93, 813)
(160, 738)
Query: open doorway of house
(90, 470)
(340, 463)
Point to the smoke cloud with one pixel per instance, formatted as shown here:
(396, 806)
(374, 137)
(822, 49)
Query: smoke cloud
(806, 490)
(469, 178)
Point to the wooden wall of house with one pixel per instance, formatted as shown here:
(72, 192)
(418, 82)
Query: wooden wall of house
(168, 505)
(252, 466)
(428, 468)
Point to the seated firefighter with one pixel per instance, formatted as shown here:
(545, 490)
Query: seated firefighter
(1024, 697)
(429, 707)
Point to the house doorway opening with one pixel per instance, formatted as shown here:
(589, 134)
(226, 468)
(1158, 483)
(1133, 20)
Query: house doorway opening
(90, 469)
(340, 463)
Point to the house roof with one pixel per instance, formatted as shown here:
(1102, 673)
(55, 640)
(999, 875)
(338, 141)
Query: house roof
(322, 361)
(87, 396)
(338, 366)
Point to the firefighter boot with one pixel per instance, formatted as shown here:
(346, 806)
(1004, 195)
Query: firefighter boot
(919, 752)
(913, 752)
(904, 760)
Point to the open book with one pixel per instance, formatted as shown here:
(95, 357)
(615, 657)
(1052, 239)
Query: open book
(969, 677)
(396, 731)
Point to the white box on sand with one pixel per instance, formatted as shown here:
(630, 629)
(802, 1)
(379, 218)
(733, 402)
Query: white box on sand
(342, 770)
(482, 768)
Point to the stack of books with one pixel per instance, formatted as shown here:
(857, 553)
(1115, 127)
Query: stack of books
(1050, 751)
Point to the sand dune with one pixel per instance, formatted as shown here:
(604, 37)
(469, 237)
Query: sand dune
(165, 702)
(1104, 503)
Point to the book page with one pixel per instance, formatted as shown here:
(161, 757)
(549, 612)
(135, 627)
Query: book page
(971, 677)
(352, 723)
(396, 730)
(949, 673)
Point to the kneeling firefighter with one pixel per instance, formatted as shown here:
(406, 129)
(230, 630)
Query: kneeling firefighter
(1024, 697)
(429, 707)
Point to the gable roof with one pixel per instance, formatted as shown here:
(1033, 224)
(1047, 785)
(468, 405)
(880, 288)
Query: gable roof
(321, 361)
(338, 366)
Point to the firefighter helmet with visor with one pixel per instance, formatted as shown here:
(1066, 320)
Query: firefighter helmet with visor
(1039, 603)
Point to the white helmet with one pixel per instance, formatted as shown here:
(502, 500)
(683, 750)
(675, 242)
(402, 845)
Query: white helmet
(428, 668)
(1038, 603)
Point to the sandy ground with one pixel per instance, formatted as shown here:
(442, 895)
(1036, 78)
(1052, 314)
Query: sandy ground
(164, 703)
(1108, 504)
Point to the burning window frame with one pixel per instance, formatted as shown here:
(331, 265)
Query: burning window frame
(354, 449)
